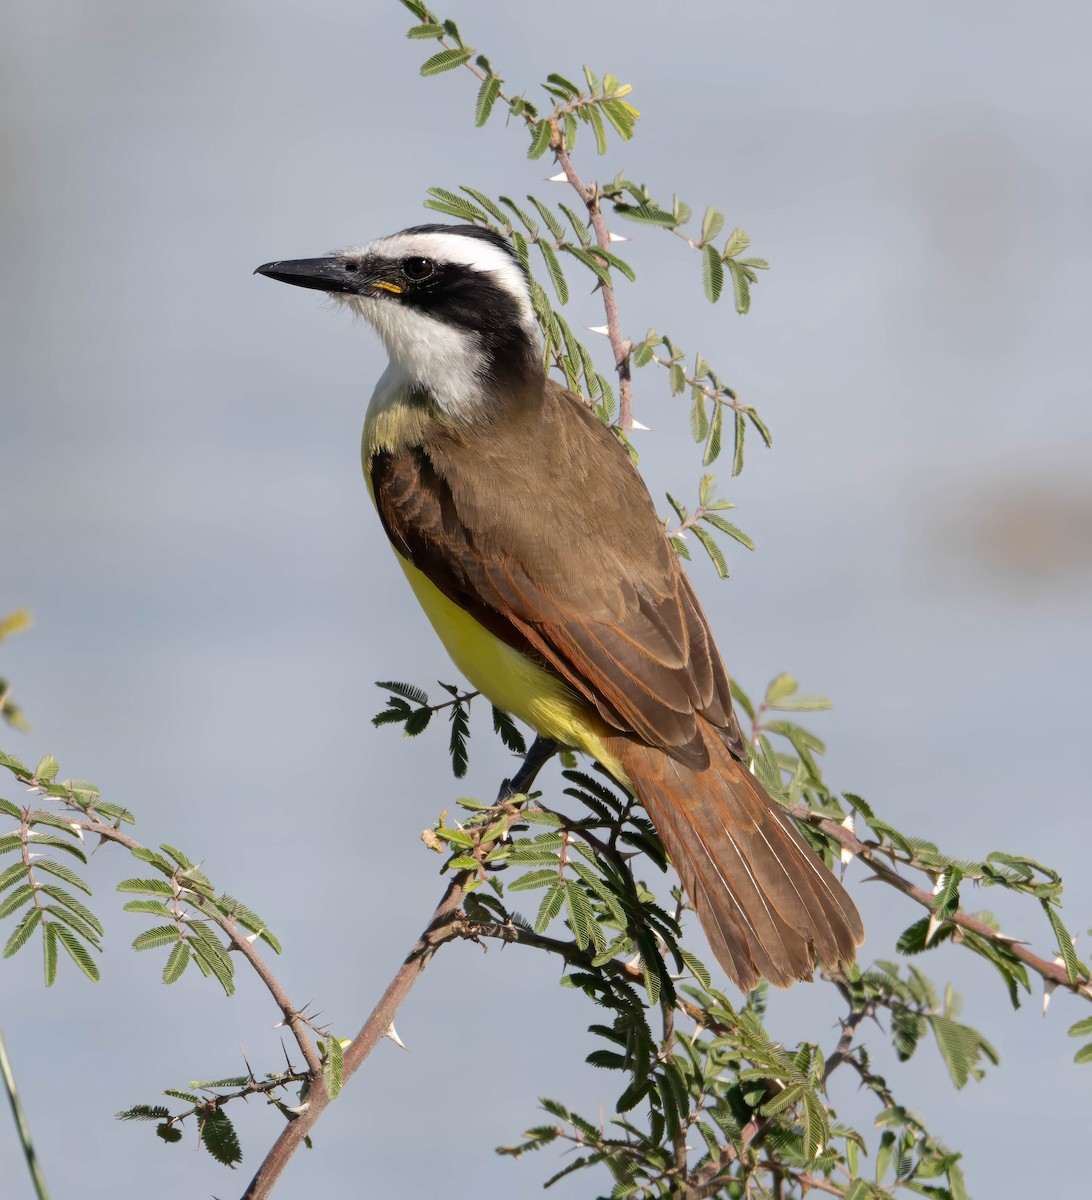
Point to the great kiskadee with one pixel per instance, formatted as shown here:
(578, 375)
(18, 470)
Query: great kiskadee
(534, 548)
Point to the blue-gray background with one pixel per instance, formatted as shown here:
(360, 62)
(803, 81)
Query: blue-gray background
(182, 510)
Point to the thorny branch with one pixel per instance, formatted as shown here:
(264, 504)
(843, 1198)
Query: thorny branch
(448, 922)
(621, 346)
(238, 939)
(1054, 973)
(722, 395)
(445, 924)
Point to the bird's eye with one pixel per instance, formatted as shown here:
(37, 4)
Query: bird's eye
(351, 267)
(417, 268)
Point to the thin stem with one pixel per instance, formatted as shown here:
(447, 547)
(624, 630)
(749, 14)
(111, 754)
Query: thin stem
(1053, 972)
(620, 345)
(443, 926)
(818, 1185)
(292, 1017)
(255, 1087)
(461, 698)
(21, 1124)
(372, 1032)
(667, 1055)
(708, 1180)
(723, 396)
(512, 934)
(841, 1053)
(240, 942)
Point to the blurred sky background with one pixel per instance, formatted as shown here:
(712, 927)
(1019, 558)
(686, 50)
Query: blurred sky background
(181, 508)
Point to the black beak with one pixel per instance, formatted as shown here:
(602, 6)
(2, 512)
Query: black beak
(324, 274)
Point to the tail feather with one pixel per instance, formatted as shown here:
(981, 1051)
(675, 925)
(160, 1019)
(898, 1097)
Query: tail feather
(768, 905)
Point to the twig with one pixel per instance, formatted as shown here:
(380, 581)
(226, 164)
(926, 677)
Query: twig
(255, 1087)
(516, 935)
(819, 1185)
(869, 852)
(239, 941)
(723, 395)
(710, 1178)
(850, 1025)
(461, 698)
(292, 1017)
(372, 1032)
(443, 926)
(620, 345)
(21, 1124)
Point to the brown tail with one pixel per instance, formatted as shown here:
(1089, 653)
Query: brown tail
(769, 907)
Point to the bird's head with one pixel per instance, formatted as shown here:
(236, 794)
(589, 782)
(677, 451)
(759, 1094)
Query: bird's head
(452, 304)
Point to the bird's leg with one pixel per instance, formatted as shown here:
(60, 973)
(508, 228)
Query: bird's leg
(541, 751)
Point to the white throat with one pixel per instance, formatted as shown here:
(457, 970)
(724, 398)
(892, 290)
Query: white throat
(446, 361)
(426, 354)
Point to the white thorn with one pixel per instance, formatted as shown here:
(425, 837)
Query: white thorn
(642, 428)
(252, 937)
(392, 1033)
(299, 1108)
(75, 827)
(1048, 990)
(845, 854)
(603, 329)
(617, 237)
(558, 178)
(934, 920)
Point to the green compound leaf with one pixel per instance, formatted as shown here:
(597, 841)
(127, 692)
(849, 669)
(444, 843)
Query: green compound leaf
(557, 276)
(540, 139)
(20, 935)
(551, 905)
(446, 60)
(333, 1069)
(16, 899)
(49, 946)
(1065, 941)
(219, 1138)
(161, 935)
(716, 554)
(77, 951)
(712, 274)
(143, 1112)
(61, 872)
(177, 962)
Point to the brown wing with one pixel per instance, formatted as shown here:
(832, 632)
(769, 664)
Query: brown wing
(586, 583)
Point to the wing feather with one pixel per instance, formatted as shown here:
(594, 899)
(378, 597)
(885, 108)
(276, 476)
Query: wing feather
(586, 583)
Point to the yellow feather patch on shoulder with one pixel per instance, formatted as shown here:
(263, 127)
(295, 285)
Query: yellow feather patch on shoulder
(511, 680)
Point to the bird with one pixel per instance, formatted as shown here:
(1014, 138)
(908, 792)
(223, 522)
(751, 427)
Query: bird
(531, 542)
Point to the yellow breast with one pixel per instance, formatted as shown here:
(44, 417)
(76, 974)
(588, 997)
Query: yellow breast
(511, 680)
(397, 417)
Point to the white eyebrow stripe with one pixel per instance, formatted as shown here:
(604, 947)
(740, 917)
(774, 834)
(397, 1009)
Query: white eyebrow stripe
(477, 254)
